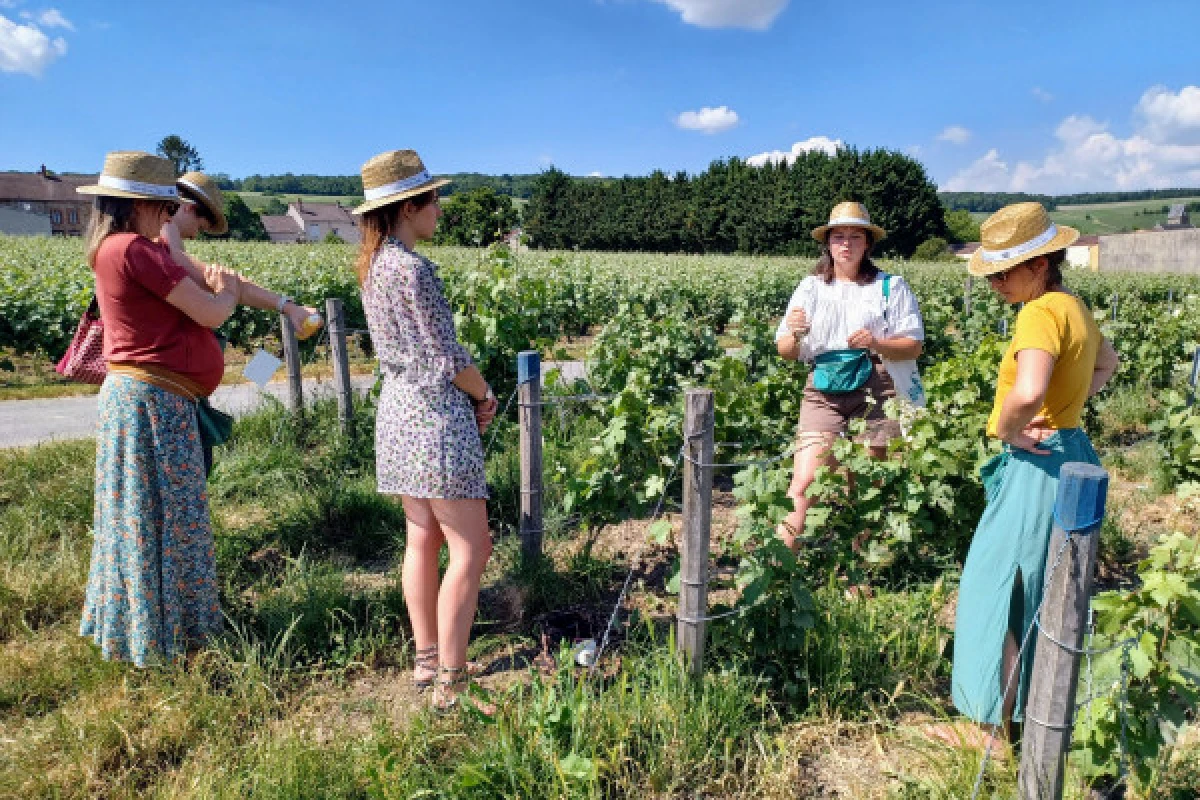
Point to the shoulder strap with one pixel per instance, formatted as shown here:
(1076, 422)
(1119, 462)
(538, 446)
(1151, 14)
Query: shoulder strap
(887, 285)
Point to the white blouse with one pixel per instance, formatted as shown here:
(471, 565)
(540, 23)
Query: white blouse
(836, 310)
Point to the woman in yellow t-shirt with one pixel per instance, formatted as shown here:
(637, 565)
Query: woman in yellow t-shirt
(1057, 360)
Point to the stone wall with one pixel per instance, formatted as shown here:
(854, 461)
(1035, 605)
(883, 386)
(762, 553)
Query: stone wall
(1158, 251)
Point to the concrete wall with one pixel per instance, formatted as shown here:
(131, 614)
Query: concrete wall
(1158, 251)
(18, 222)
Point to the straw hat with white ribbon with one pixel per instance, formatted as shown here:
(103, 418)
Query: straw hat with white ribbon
(203, 189)
(135, 175)
(1017, 233)
(394, 176)
(849, 214)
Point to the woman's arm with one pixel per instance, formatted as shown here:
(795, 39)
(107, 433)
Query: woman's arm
(1107, 362)
(208, 308)
(1025, 400)
(251, 294)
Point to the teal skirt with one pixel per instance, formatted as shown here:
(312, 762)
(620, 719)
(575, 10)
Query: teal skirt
(1002, 579)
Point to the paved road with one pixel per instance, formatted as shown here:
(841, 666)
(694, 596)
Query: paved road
(28, 422)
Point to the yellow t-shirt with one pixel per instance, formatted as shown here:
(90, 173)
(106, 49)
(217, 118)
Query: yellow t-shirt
(1061, 325)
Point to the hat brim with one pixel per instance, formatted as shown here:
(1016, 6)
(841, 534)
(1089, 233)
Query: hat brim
(980, 268)
(105, 191)
(387, 200)
(876, 232)
(222, 226)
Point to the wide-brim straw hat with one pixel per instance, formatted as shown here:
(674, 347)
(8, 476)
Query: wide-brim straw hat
(849, 214)
(1017, 233)
(204, 189)
(394, 176)
(135, 175)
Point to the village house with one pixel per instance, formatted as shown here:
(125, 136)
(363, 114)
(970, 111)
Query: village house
(312, 222)
(1177, 218)
(44, 194)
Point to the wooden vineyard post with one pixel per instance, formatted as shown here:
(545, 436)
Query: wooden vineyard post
(1114, 302)
(291, 356)
(967, 297)
(697, 524)
(336, 316)
(1050, 710)
(529, 410)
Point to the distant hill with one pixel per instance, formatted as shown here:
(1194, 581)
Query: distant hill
(991, 201)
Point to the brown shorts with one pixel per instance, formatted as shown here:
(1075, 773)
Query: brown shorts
(831, 413)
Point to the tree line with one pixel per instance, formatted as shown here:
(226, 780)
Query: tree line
(991, 201)
(735, 207)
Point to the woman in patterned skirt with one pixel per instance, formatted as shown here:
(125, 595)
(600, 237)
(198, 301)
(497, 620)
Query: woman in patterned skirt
(152, 589)
(433, 409)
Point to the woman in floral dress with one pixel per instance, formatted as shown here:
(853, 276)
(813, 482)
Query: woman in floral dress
(433, 409)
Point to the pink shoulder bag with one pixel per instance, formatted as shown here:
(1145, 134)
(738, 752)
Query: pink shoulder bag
(84, 359)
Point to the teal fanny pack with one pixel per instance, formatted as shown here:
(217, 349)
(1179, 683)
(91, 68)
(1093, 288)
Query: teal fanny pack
(842, 371)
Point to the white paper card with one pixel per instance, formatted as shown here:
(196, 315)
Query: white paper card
(261, 368)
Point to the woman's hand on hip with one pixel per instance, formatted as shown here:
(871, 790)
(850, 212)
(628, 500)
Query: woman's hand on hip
(1032, 435)
(862, 339)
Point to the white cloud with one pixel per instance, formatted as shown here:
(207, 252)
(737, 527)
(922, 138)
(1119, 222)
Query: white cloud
(754, 15)
(708, 120)
(8, 3)
(1163, 151)
(596, 174)
(24, 48)
(955, 134)
(1041, 94)
(822, 143)
(51, 18)
(1171, 117)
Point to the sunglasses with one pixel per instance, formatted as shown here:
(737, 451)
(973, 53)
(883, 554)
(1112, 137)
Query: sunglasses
(1001, 277)
(170, 206)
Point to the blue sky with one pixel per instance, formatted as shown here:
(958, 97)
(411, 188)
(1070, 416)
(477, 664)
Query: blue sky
(1034, 96)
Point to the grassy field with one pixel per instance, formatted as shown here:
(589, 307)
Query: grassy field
(1102, 218)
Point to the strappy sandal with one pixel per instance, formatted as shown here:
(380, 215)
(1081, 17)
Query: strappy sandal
(455, 690)
(425, 668)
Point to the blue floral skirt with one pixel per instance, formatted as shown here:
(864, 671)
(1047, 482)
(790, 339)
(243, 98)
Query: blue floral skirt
(1003, 577)
(152, 586)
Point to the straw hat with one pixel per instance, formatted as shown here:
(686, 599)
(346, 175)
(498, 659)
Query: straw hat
(394, 176)
(204, 190)
(854, 215)
(1017, 233)
(138, 176)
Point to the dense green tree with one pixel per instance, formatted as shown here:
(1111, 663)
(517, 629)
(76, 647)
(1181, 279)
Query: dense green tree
(735, 207)
(180, 153)
(961, 227)
(478, 217)
(933, 249)
(274, 207)
(244, 224)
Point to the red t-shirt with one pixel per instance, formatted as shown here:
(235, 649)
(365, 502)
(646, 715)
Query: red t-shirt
(133, 276)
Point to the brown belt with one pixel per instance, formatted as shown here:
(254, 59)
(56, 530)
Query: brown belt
(161, 377)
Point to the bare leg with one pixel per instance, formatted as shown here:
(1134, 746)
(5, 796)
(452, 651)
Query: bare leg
(812, 452)
(1010, 696)
(464, 525)
(419, 576)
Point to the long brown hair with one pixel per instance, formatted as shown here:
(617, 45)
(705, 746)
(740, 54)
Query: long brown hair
(866, 268)
(109, 215)
(380, 223)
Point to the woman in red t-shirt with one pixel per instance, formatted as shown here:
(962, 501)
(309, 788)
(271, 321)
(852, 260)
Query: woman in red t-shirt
(152, 588)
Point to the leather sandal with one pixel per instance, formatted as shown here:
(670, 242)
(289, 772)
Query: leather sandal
(425, 667)
(454, 690)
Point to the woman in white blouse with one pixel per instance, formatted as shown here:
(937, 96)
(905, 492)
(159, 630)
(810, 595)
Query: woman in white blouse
(862, 330)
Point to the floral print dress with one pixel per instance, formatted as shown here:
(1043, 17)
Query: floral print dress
(427, 443)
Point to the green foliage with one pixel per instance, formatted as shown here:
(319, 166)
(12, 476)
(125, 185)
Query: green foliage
(961, 227)
(934, 249)
(332, 238)
(1177, 432)
(478, 217)
(1163, 615)
(273, 207)
(244, 224)
(181, 153)
(734, 207)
